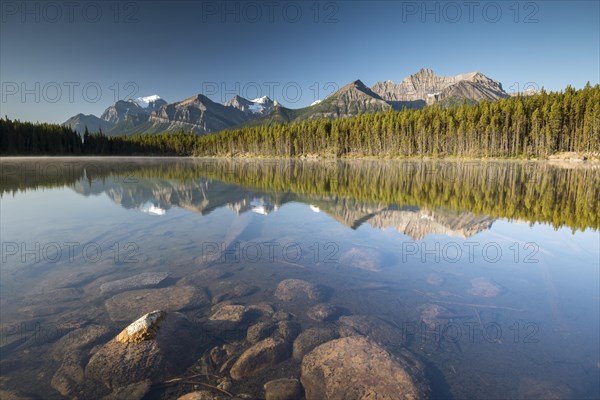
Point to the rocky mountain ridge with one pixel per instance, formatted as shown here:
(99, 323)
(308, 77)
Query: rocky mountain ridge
(425, 86)
(201, 115)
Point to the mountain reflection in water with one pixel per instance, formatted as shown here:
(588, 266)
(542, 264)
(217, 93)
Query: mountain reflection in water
(455, 196)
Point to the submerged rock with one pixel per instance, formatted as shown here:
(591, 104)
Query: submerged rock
(135, 391)
(288, 330)
(355, 368)
(283, 389)
(484, 287)
(264, 354)
(311, 338)
(140, 281)
(263, 308)
(50, 302)
(58, 295)
(226, 291)
(323, 312)
(8, 395)
(533, 389)
(229, 312)
(430, 315)
(243, 289)
(230, 321)
(259, 331)
(172, 348)
(69, 376)
(204, 278)
(78, 339)
(296, 289)
(128, 305)
(375, 328)
(72, 352)
(220, 358)
(42, 310)
(281, 316)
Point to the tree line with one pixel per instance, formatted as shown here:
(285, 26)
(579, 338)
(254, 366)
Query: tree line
(533, 126)
(27, 138)
(522, 126)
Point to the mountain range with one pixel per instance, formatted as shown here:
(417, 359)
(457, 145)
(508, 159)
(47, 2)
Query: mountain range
(201, 115)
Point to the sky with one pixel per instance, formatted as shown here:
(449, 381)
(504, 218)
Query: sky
(61, 58)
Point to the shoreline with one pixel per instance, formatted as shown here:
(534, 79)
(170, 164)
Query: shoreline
(557, 159)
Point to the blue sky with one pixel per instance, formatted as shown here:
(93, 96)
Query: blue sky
(54, 58)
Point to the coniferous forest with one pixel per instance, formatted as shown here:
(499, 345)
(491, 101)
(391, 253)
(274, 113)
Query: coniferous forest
(534, 126)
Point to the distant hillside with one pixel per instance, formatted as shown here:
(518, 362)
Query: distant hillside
(94, 124)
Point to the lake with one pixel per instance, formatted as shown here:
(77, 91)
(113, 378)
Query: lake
(486, 271)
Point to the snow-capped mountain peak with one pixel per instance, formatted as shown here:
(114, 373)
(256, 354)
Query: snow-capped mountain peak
(314, 103)
(260, 105)
(148, 99)
(262, 100)
(145, 101)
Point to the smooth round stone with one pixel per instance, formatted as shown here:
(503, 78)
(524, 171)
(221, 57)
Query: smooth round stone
(283, 389)
(323, 312)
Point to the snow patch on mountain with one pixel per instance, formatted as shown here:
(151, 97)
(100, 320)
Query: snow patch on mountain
(260, 105)
(145, 101)
(262, 100)
(314, 103)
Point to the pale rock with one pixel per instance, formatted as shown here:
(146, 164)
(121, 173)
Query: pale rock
(356, 368)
